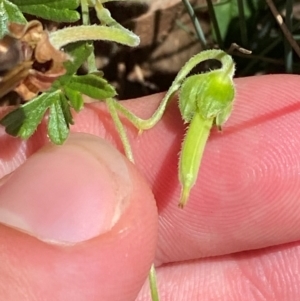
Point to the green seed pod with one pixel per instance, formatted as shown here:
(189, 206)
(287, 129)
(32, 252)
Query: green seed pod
(191, 154)
(204, 99)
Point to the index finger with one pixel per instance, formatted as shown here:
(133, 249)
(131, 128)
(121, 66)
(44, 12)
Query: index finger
(247, 193)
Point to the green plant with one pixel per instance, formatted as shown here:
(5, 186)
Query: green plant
(65, 88)
(269, 29)
(204, 99)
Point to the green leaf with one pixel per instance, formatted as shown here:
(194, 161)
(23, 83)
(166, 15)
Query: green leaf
(75, 98)
(59, 119)
(54, 10)
(228, 11)
(9, 12)
(79, 52)
(71, 4)
(23, 121)
(224, 16)
(65, 106)
(92, 85)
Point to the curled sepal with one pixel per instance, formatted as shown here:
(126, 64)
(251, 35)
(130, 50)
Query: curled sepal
(189, 94)
(210, 93)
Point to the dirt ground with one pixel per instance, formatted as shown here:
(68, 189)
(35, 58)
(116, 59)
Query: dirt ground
(167, 42)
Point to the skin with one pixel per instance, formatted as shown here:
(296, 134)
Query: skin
(237, 238)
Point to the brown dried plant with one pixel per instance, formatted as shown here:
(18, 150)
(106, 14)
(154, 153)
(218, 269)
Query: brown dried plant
(29, 63)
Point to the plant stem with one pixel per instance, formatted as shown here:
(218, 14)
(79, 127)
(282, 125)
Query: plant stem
(153, 284)
(91, 61)
(69, 35)
(283, 27)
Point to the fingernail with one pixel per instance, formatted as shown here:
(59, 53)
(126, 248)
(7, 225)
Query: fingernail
(69, 193)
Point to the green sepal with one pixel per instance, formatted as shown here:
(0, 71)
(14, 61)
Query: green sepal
(55, 10)
(210, 93)
(60, 118)
(23, 121)
(9, 12)
(92, 85)
(188, 94)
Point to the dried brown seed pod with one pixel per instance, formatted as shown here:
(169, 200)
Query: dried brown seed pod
(29, 64)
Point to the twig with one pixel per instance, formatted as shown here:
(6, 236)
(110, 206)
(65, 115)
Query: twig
(235, 46)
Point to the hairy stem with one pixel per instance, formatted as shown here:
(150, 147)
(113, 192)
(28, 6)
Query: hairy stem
(227, 68)
(69, 35)
(91, 60)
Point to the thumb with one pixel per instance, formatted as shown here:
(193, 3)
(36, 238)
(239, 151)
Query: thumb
(78, 222)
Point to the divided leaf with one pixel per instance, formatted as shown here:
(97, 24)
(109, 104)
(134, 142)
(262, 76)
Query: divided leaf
(92, 85)
(78, 52)
(66, 92)
(75, 98)
(23, 121)
(9, 12)
(60, 118)
(54, 10)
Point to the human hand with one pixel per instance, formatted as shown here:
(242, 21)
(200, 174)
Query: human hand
(245, 199)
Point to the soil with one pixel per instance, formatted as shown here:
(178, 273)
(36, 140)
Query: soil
(167, 42)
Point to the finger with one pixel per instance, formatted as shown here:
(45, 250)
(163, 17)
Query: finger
(77, 222)
(269, 274)
(247, 195)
